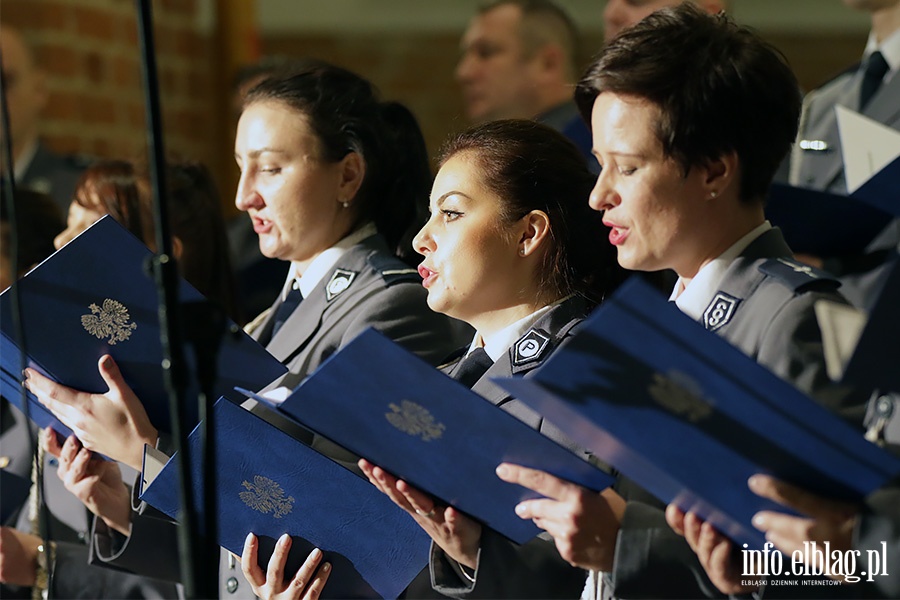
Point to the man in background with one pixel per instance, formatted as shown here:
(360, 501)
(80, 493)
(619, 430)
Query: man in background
(619, 14)
(519, 61)
(871, 88)
(35, 166)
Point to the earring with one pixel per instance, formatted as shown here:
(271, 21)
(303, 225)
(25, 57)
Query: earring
(713, 194)
(345, 203)
(521, 251)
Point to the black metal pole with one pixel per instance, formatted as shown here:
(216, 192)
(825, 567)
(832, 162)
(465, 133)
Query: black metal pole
(9, 191)
(197, 564)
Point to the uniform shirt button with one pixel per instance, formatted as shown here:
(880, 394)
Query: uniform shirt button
(82, 535)
(231, 585)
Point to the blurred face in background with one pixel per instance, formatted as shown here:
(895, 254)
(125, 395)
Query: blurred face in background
(495, 74)
(79, 218)
(26, 94)
(619, 14)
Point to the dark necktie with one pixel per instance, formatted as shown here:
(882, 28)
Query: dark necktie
(472, 367)
(876, 67)
(286, 308)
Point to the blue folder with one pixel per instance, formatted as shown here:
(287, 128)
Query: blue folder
(383, 403)
(690, 418)
(94, 297)
(13, 492)
(877, 355)
(269, 483)
(824, 224)
(882, 190)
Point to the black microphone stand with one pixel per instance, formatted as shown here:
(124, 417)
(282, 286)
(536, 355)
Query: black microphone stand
(198, 561)
(9, 191)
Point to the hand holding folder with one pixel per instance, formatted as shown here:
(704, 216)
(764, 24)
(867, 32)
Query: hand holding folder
(270, 484)
(690, 418)
(381, 402)
(93, 297)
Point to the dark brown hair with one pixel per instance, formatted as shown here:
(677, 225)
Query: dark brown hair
(719, 88)
(531, 166)
(111, 187)
(345, 113)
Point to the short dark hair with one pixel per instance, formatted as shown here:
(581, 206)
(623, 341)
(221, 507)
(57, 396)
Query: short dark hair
(344, 111)
(718, 86)
(544, 22)
(531, 166)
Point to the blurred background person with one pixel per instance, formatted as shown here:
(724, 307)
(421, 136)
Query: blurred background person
(619, 14)
(39, 221)
(519, 60)
(35, 166)
(871, 88)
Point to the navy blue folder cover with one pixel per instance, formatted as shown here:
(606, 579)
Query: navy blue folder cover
(97, 282)
(13, 492)
(269, 483)
(690, 417)
(877, 354)
(882, 190)
(821, 223)
(383, 403)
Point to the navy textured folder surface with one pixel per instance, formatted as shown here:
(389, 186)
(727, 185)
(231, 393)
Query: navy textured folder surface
(93, 297)
(690, 418)
(381, 402)
(823, 224)
(13, 493)
(877, 354)
(882, 190)
(270, 484)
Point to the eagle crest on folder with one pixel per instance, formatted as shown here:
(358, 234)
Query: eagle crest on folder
(265, 495)
(415, 420)
(680, 395)
(112, 321)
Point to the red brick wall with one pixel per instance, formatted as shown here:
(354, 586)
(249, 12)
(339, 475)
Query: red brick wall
(89, 50)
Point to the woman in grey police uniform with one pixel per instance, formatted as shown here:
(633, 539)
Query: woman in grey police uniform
(331, 178)
(513, 249)
(689, 142)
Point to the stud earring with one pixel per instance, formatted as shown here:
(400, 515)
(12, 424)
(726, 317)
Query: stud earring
(521, 251)
(345, 203)
(713, 194)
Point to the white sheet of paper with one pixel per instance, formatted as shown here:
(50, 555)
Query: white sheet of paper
(867, 146)
(154, 461)
(841, 327)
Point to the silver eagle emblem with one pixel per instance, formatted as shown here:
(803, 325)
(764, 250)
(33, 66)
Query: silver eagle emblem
(680, 395)
(265, 496)
(112, 321)
(415, 420)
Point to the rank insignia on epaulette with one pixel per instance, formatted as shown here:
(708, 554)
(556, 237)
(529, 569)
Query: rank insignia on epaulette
(530, 348)
(340, 281)
(719, 311)
(796, 274)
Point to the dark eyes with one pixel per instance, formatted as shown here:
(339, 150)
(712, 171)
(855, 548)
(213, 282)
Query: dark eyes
(450, 215)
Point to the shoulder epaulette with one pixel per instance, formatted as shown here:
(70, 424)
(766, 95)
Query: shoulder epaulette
(392, 269)
(798, 276)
